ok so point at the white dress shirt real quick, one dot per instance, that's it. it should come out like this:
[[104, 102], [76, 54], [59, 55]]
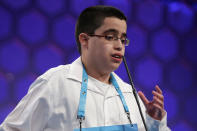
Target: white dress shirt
[[51, 104]]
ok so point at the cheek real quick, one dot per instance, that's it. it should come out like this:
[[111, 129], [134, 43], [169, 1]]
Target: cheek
[[102, 48], [106, 49]]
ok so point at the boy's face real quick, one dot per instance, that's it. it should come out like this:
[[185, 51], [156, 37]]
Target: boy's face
[[105, 54]]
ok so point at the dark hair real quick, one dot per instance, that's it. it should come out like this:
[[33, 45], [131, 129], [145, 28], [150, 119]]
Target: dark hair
[[92, 18]]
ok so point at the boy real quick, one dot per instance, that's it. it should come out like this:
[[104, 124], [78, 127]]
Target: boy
[[86, 95]]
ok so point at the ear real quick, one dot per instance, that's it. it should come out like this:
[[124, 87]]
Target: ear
[[83, 39]]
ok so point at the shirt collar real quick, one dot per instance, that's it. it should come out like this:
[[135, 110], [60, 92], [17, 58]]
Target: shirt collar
[[75, 70]]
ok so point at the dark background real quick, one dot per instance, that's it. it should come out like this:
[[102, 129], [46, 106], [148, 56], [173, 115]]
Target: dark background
[[36, 35]]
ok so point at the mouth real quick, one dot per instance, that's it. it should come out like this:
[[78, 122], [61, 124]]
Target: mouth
[[117, 57]]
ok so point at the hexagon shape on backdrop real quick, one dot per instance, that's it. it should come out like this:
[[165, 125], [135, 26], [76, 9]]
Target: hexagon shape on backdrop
[[180, 17], [138, 41], [51, 7], [150, 14], [165, 45], [180, 77], [32, 27], [14, 56], [148, 73], [63, 31]]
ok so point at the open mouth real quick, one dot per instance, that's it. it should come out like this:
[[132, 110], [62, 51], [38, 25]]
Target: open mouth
[[117, 57]]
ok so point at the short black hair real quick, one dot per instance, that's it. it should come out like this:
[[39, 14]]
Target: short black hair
[[92, 18]]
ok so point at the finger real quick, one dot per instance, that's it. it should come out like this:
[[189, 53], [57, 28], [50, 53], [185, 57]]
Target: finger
[[160, 96], [158, 107], [158, 102], [143, 98], [158, 89]]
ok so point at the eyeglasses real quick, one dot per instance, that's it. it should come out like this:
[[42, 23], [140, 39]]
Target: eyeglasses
[[124, 41]]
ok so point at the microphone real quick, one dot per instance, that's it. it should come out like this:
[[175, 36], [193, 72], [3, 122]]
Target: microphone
[[135, 93]]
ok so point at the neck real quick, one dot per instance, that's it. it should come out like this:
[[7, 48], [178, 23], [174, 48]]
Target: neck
[[101, 77], [96, 73]]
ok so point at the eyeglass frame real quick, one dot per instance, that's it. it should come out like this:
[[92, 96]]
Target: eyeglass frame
[[113, 38]]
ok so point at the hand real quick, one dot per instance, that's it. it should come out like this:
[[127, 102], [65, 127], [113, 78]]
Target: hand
[[154, 108]]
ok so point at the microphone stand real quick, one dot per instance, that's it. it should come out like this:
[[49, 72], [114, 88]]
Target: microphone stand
[[134, 93]]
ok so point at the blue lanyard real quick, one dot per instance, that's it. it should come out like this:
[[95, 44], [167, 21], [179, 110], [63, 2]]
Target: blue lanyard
[[114, 82], [83, 94]]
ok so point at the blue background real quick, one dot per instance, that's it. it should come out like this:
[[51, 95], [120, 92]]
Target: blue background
[[36, 35]]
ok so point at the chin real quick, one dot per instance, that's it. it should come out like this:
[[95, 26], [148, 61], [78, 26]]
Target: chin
[[115, 66]]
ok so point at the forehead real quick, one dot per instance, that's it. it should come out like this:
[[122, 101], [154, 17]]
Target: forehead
[[112, 24]]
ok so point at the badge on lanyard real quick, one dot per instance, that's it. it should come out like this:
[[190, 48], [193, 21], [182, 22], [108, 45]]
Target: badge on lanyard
[[82, 103]]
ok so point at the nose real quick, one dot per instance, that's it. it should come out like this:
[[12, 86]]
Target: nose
[[118, 45]]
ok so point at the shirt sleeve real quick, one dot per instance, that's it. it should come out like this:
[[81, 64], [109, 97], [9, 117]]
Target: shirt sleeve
[[32, 111], [156, 125]]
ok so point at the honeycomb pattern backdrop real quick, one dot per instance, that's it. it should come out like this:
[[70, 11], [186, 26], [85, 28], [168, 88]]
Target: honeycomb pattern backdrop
[[36, 35]]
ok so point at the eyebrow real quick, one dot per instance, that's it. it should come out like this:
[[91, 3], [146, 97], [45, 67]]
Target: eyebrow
[[114, 31]]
